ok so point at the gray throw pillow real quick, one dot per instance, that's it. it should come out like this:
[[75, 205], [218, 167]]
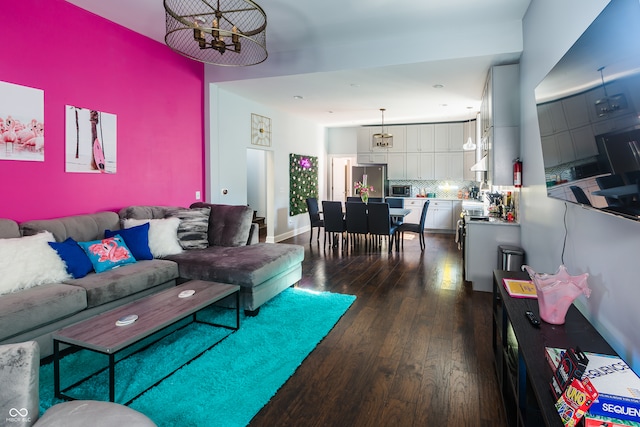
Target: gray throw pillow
[[194, 226]]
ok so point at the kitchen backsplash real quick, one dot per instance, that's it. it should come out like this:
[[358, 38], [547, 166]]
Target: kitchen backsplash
[[438, 187]]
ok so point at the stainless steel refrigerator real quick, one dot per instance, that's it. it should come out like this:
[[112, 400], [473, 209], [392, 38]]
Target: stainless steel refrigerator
[[374, 175], [623, 152]]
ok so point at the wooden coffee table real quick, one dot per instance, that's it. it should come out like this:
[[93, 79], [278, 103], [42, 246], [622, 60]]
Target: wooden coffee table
[[155, 312]]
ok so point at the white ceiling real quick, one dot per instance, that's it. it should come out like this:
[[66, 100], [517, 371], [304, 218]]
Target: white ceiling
[[349, 58]]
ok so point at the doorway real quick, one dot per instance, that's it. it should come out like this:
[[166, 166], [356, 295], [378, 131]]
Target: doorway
[[341, 178], [257, 194]]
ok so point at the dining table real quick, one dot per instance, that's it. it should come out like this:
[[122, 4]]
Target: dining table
[[398, 213]]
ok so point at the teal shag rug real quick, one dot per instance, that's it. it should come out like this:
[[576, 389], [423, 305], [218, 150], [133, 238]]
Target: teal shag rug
[[229, 383]]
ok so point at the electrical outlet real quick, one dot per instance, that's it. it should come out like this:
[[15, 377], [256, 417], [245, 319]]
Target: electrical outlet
[[197, 195]]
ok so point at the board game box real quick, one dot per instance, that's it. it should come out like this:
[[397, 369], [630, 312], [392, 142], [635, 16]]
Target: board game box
[[617, 384]]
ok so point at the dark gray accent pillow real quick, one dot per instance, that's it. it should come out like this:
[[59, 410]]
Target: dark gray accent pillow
[[229, 225], [194, 226]]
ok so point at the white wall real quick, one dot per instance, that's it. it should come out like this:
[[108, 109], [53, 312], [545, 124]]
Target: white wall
[[604, 246], [229, 136]]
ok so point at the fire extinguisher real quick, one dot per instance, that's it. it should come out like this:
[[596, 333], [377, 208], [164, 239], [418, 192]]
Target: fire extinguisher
[[517, 173]]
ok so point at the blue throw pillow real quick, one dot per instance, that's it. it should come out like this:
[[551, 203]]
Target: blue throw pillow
[[77, 262], [136, 238], [107, 254]]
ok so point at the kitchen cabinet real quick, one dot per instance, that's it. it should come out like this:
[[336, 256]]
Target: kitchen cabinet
[[576, 111], [439, 215], [364, 140], [568, 146], [449, 136], [468, 160], [448, 166], [420, 166], [500, 121], [504, 149], [551, 118], [420, 138], [399, 138], [415, 206], [372, 158], [396, 165]]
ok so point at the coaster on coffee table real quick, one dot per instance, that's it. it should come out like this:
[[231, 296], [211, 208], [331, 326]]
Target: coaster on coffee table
[[186, 294], [127, 320]]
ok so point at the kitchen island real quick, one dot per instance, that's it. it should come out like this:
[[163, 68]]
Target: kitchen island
[[482, 238]]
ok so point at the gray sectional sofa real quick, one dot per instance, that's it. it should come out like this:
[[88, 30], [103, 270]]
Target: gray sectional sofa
[[262, 270]]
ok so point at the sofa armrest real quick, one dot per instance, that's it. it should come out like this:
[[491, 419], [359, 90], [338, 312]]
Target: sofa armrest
[[19, 375]]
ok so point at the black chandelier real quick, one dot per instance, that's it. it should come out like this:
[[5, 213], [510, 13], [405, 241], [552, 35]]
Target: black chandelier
[[221, 32]]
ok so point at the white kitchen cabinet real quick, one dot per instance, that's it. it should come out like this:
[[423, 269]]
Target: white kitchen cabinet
[[500, 120], [420, 166], [396, 165], [372, 158], [415, 206], [449, 137], [551, 118], [576, 111], [440, 215], [399, 138], [584, 143], [468, 160], [420, 138], [448, 166], [364, 140]]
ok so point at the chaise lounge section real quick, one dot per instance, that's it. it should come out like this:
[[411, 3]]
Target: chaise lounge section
[[262, 270]]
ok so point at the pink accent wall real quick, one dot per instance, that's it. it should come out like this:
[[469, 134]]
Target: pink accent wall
[[83, 60]]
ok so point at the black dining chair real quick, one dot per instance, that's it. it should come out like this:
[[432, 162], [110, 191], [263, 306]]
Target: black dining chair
[[354, 199], [580, 196], [610, 181], [314, 217], [333, 221], [396, 202], [357, 222], [380, 223], [376, 200], [415, 228]]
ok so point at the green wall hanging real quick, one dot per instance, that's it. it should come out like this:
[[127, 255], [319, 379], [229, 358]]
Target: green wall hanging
[[303, 182]]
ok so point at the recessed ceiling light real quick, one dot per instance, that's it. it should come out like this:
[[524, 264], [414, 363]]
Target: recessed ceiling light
[[438, 86], [298, 97]]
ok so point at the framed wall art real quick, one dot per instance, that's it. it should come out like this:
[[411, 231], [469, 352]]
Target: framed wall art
[[21, 123]]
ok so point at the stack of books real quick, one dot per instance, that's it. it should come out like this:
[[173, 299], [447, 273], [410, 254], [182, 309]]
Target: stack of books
[[618, 402]]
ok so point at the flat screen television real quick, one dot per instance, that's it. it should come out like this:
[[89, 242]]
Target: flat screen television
[[589, 115]]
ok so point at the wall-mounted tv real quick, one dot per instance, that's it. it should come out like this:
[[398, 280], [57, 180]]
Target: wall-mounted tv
[[589, 115]]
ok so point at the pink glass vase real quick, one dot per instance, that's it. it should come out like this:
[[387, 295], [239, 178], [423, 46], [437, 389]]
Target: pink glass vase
[[556, 292]]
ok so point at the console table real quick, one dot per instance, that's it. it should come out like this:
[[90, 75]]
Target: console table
[[519, 350]]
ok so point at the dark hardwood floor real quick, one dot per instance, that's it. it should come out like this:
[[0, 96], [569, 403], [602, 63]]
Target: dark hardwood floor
[[414, 349]]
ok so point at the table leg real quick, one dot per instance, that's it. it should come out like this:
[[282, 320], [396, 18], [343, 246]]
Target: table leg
[[56, 368], [112, 378]]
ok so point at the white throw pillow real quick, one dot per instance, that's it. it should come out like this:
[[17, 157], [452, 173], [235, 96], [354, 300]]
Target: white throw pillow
[[29, 261], [163, 235]]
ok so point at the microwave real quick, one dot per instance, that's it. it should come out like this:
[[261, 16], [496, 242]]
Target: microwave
[[400, 191]]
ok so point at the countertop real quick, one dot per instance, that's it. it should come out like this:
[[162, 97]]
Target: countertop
[[491, 221]]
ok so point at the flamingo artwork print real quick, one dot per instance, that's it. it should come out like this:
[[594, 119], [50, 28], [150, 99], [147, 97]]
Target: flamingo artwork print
[[90, 140], [21, 123]]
